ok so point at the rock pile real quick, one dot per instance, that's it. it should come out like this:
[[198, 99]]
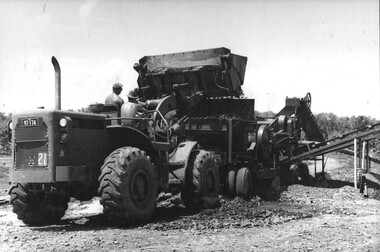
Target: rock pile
[[232, 213]]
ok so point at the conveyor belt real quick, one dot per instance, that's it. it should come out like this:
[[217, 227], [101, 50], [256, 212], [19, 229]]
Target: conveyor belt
[[339, 143]]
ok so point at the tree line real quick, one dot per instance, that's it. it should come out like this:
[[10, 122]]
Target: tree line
[[335, 126]]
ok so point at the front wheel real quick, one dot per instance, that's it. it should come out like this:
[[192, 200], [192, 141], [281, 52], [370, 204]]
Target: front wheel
[[37, 208], [128, 187]]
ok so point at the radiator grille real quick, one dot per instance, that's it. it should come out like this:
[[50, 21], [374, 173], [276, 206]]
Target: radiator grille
[[31, 149], [30, 133]]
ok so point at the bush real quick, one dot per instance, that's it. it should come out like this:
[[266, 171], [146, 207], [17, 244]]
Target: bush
[[4, 144], [334, 126]]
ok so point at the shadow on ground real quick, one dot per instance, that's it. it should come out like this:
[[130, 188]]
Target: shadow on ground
[[163, 214], [171, 213]]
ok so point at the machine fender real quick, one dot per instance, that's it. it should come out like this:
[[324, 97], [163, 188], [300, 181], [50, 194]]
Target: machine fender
[[180, 156], [128, 136]]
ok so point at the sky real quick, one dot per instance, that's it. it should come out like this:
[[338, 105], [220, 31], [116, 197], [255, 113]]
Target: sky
[[329, 48]]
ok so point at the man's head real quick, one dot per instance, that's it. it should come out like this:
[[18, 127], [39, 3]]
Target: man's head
[[117, 88], [133, 95]]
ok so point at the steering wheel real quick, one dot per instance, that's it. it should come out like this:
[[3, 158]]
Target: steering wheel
[[307, 99]]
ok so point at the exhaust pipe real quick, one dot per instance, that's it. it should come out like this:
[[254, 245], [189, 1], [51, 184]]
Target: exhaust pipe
[[57, 70]]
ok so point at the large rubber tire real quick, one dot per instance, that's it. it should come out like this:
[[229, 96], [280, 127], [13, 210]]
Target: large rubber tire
[[37, 208], [244, 183], [203, 190], [231, 183], [128, 187]]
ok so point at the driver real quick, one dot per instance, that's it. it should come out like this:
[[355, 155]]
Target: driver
[[133, 108]]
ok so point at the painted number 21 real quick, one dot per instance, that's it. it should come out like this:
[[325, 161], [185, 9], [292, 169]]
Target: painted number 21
[[42, 159]]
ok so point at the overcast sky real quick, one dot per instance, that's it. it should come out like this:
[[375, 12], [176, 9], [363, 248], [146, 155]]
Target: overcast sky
[[328, 47]]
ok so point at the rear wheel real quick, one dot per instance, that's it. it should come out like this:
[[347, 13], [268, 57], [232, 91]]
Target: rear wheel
[[231, 183], [37, 208], [203, 189], [244, 183], [128, 187]]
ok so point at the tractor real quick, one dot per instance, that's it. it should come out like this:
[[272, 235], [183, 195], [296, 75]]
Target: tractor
[[197, 134]]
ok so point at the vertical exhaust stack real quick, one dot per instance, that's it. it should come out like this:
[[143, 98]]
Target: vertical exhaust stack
[[57, 70]]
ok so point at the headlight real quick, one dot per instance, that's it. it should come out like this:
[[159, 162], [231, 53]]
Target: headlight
[[63, 122], [10, 125]]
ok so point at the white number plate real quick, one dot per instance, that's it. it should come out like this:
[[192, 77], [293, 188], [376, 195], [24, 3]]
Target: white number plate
[[42, 159], [30, 122]]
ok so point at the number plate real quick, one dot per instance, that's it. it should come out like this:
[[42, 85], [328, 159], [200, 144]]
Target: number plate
[[30, 122], [42, 159]]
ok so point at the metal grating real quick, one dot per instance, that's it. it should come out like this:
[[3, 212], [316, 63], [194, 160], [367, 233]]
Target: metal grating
[[23, 134]]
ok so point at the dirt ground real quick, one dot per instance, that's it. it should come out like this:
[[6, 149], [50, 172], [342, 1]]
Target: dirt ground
[[320, 216]]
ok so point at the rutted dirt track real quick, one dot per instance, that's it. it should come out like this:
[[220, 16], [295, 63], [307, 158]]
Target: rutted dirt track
[[294, 218]]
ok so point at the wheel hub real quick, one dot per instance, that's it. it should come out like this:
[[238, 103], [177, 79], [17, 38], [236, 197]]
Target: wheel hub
[[210, 182], [139, 187]]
